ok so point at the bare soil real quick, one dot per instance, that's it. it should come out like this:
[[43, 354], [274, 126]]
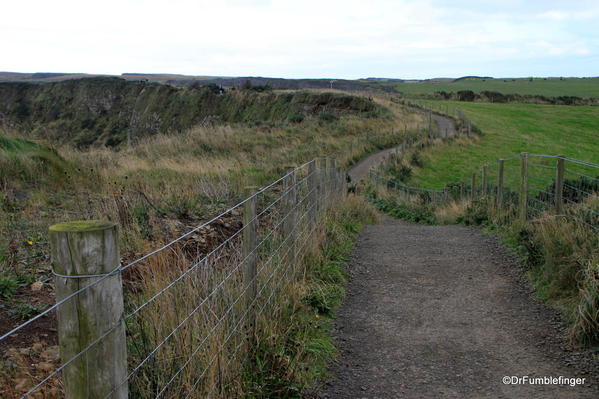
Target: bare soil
[[446, 312]]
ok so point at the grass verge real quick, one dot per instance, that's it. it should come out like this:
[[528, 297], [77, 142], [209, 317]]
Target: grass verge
[[293, 351]]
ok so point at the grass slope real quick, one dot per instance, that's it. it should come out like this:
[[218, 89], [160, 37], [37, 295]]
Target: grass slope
[[28, 163], [108, 111], [510, 129]]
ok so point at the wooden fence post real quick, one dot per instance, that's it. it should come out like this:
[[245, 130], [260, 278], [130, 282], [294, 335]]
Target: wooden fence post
[[485, 181], [524, 187], [290, 233], [249, 253], [501, 163], [461, 190], [473, 191], [83, 252], [312, 192], [559, 185]]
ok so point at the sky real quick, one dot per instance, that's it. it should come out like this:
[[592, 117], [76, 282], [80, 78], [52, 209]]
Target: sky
[[303, 38]]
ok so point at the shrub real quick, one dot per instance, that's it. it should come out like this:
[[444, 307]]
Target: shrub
[[25, 311], [8, 286], [476, 213], [585, 329]]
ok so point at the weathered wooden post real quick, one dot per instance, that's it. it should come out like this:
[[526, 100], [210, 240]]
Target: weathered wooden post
[[82, 253], [289, 230], [485, 181], [473, 192], [248, 252], [524, 187], [461, 190], [312, 192], [559, 185], [501, 163]]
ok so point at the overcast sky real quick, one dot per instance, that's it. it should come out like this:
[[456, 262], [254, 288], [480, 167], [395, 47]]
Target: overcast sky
[[303, 38]]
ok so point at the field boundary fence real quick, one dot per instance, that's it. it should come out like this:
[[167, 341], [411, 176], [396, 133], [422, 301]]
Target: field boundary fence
[[524, 187], [183, 320]]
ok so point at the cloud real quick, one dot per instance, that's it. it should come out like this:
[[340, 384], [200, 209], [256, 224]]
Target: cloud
[[311, 38]]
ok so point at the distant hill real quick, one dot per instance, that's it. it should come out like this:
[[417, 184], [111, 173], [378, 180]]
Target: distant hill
[[185, 80]]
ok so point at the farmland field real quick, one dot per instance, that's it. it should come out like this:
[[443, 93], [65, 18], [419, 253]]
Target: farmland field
[[549, 87], [509, 129]]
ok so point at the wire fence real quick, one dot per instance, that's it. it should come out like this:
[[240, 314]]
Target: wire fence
[[194, 309], [524, 186]]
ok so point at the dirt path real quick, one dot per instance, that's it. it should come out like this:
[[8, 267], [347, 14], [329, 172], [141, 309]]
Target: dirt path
[[443, 312], [446, 128]]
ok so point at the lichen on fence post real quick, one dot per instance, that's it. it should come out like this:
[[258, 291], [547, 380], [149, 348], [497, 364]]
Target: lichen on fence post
[[82, 253]]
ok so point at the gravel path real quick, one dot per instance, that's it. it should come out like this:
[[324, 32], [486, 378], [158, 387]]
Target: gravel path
[[445, 312], [445, 126]]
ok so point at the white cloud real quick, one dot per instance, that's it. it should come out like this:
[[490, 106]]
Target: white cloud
[[348, 38]]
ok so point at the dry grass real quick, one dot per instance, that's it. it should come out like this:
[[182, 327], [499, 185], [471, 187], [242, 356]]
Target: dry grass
[[450, 212]]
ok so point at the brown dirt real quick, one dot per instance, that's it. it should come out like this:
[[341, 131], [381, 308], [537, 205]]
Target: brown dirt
[[446, 312]]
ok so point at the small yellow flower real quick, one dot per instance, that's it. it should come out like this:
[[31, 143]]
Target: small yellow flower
[[29, 242], [317, 316]]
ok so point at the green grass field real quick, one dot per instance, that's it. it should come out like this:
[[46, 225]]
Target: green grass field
[[548, 87], [509, 129]]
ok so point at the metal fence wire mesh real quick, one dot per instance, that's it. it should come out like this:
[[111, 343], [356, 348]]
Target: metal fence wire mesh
[[194, 308]]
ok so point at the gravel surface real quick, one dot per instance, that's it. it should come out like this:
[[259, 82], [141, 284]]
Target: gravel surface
[[446, 312], [445, 129]]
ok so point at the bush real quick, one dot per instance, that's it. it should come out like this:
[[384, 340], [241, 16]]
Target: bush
[[8, 286], [25, 311], [476, 213]]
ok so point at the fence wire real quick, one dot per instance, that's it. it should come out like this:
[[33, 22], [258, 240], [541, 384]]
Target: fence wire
[[195, 306], [531, 185]]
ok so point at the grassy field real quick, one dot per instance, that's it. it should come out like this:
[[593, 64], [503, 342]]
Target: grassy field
[[509, 129], [549, 87]]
